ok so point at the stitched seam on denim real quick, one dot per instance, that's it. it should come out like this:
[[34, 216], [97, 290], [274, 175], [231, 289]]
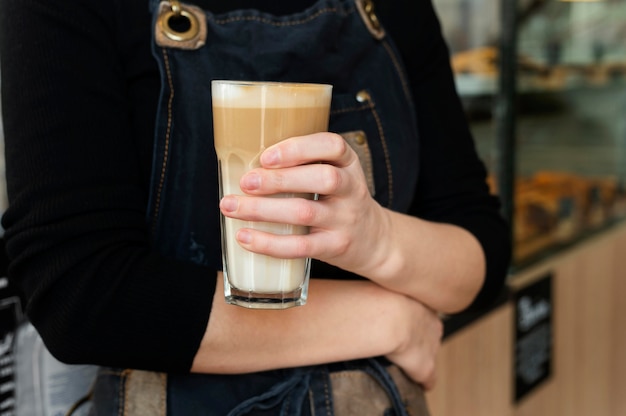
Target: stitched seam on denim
[[168, 130], [286, 404], [399, 70], [282, 24], [385, 151], [327, 397]]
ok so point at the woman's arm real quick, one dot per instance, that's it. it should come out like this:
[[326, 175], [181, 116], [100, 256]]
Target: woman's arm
[[79, 90], [342, 320], [452, 186], [438, 264], [443, 265], [451, 250]]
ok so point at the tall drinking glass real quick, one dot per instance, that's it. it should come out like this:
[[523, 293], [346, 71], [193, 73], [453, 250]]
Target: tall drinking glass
[[248, 117]]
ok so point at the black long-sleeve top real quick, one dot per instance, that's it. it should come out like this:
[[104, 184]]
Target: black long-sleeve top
[[79, 92]]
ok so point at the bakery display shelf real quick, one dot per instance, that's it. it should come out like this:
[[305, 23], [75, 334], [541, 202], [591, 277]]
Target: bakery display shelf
[[470, 86], [543, 84], [533, 252], [570, 167], [554, 210], [482, 79], [567, 78]]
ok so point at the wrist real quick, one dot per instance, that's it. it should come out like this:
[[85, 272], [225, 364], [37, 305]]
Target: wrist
[[387, 259], [381, 259]]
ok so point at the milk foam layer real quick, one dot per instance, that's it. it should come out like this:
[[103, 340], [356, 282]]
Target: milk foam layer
[[244, 94]]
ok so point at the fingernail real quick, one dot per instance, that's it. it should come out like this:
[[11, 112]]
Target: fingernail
[[244, 236], [229, 204], [270, 157], [251, 181]]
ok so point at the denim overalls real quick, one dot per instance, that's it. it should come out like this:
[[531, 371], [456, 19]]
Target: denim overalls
[[339, 42]]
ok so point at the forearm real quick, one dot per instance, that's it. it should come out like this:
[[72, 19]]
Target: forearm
[[342, 320], [437, 263], [441, 265]]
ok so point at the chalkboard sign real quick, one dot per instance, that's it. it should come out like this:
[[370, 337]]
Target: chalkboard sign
[[533, 336]]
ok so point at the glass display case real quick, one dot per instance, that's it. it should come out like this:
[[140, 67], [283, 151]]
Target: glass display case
[[544, 87]]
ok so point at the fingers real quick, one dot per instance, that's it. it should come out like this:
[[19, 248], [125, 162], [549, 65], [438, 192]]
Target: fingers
[[427, 375], [292, 246], [322, 164], [296, 215], [295, 209], [421, 368], [322, 179], [330, 148], [281, 192], [417, 357], [430, 382]]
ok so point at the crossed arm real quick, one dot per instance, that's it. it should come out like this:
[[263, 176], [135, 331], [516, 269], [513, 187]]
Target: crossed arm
[[415, 267]]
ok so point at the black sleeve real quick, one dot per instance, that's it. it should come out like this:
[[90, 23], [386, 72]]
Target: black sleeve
[[452, 184], [75, 159]]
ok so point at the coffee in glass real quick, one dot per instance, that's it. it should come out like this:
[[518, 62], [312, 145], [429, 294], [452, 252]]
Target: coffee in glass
[[249, 117]]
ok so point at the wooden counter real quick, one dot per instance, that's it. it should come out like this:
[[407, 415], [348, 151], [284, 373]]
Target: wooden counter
[[476, 363]]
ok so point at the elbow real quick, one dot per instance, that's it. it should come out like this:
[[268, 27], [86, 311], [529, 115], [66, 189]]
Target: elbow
[[465, 295]]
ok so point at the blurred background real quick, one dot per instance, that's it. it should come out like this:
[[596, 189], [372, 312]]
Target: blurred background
[[543, 83]]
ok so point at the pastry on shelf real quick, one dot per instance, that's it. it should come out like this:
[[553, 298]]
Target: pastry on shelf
[[479, 61], [536, 213], [584, 191], [535, 219], [604, 72], [603, 196], [483, 62], [552, 208]]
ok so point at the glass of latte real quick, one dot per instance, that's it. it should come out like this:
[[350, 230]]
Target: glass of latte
[[249, 117]]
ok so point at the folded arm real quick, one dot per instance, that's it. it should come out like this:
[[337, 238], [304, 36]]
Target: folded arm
[[342, 320]]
